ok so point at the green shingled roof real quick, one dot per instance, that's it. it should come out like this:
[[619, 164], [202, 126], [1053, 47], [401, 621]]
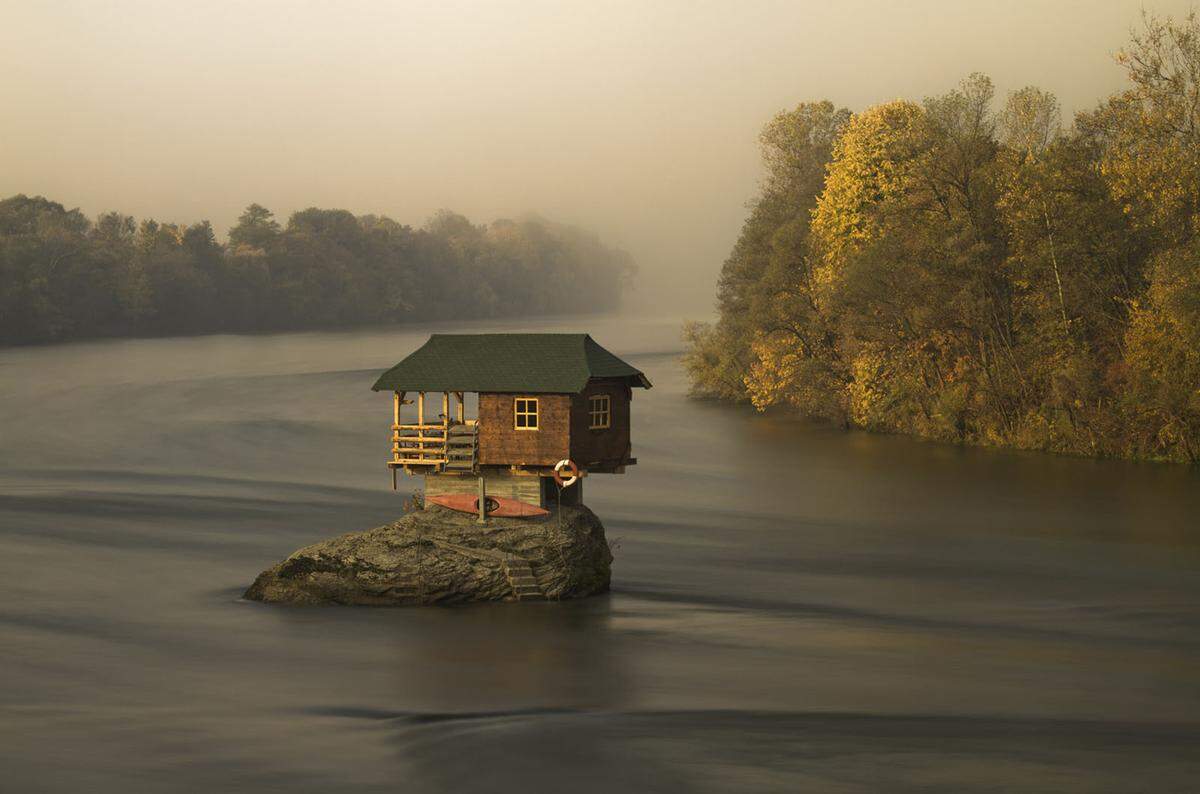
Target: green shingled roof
[[536, 363]]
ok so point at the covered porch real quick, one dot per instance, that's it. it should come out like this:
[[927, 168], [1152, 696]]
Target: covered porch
[[446, 442]]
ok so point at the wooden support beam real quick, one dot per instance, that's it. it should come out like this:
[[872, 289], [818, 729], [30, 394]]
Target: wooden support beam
[[445, 424], [482, 501], [399, 400], [461, 406], [420, 407]]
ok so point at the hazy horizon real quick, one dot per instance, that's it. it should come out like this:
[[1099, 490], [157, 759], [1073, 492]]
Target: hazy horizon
[[638, 123]]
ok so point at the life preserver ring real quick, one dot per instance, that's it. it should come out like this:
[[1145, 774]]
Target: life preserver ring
[[572, 470]]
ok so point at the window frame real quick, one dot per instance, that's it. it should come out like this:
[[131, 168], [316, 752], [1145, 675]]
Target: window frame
[[518, 413], [605, 412]]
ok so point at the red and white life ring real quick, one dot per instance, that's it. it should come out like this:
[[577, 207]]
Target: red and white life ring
[[572, 470]]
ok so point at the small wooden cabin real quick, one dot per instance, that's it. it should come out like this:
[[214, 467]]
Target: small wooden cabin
[[539, 399]]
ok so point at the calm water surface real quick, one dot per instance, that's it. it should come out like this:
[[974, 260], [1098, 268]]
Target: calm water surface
[[793, 608]]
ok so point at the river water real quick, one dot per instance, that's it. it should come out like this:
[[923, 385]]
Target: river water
[[794, 608]]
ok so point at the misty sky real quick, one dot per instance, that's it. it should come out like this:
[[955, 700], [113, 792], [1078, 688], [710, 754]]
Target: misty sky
[[638, 120]]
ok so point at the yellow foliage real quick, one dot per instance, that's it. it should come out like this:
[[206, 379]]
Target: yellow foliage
[[1153, 177], [772, 378], [871, 164], [867, 389], [1163, 353], [784, 372], [1151, 161], [1036, 288]]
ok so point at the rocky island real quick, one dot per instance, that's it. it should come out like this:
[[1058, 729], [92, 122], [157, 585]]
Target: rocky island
[[440, 556]]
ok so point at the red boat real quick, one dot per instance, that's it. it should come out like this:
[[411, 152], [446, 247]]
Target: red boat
[[498, 506]]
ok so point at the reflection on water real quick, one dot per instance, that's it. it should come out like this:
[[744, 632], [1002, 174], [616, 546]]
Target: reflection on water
[[794, 608]]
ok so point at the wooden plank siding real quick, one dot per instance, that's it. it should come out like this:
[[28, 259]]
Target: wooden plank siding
[[502, 444], [607, 446], [526, 488]]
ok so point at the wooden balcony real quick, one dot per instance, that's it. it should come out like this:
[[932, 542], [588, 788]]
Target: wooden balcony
[[426, 448], [449, 444]]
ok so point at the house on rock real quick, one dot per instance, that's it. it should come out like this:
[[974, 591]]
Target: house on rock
[[539, 399]]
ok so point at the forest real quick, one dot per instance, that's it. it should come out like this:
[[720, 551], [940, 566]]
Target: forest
[[63, 276], [973, 270]]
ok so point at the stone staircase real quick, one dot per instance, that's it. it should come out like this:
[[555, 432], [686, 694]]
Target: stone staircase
[[520, 577], [517, 570]]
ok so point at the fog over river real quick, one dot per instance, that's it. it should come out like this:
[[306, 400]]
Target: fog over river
[[793, 607]]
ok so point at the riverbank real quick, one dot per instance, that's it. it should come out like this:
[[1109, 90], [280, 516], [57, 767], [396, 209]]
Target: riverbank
[[967, 442]]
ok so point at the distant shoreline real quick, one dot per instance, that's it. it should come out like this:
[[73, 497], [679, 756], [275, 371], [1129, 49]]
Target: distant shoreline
[[382, 326], [65, 277]]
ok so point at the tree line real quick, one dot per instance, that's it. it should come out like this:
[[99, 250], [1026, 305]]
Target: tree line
[[962, 273], [63, 276]]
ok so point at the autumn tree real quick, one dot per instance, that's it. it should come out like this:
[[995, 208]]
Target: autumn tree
[[978, 274], [765, 293]]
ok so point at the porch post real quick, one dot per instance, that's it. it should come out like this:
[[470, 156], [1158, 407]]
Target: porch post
[[420, 426], [445, 428], [396, 403]]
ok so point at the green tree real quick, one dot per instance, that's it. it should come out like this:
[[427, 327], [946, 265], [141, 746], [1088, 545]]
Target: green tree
[[256, 229]]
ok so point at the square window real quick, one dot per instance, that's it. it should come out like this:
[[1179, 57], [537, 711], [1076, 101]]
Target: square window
[[599, 411], [525, 413]]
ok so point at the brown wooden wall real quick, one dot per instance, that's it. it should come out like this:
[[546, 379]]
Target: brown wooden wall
[[608, 445], [500, 443], [524, 488]]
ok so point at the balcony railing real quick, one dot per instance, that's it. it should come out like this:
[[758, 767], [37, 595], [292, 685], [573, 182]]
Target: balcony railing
[[437, 447]]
